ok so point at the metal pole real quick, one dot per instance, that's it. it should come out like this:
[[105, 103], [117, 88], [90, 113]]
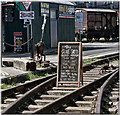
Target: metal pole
[[0, 44], [32, 41], [80, 35], [28, 38]]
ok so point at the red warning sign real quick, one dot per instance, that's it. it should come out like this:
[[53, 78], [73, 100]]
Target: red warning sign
[[26, 5]]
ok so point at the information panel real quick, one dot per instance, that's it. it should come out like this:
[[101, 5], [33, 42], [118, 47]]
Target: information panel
[[79, 19], [45, 9], [69, 59], [66, 11], [18, 41]]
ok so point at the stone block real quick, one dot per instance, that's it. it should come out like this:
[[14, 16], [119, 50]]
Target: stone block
[[8, 63], [26, 65]]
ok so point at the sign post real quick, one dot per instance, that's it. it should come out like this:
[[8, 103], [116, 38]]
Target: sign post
[[28, 16], [69, 63], [79, 19], [32, 41]]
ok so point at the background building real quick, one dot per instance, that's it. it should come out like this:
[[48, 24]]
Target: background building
[[95, 4], [60, 24]]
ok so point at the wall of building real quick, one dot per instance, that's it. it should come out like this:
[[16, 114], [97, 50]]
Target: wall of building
[[66, 30], [65, 27], [37, 26], [15, 26]]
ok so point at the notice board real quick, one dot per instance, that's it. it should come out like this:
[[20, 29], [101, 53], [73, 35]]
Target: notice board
[[18, 40], [69, 62]]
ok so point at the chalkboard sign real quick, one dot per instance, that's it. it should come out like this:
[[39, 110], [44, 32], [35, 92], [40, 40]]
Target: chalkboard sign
[[69, 62]]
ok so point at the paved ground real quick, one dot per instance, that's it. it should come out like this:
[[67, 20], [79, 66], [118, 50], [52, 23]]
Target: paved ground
[[90, 50]]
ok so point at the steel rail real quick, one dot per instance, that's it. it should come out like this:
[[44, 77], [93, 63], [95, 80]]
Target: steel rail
[[25, 86], [57, 103], [12, 108], [99, 61], [71, 96], [9, 91], [102, 89]]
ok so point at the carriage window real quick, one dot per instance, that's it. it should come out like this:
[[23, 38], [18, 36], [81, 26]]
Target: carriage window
[[98, 17], [91, 16]]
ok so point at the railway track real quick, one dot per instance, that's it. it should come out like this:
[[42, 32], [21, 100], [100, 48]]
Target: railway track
[[108, 97], [15, 92], [44, 94]]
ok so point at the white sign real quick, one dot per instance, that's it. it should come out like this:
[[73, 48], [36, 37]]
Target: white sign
[[26, 14], [79, 19], [27, 22], [26, 5]]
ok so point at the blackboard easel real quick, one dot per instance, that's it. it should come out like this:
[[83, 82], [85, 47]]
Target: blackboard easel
[[69, 70]]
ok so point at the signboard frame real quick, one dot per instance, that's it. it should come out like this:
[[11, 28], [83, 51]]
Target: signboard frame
[[80, 68]]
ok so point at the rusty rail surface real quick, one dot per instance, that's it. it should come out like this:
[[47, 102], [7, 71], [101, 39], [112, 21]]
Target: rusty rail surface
[[11, 108], [25, 86], [71, 96], [40, 88], [101, 61], [102, 89]]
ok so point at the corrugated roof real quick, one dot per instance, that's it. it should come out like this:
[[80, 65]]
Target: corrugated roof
[[98, 10], [58, 2]]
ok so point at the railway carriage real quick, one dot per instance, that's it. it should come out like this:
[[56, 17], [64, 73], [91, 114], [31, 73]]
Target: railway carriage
[[98, 23]]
